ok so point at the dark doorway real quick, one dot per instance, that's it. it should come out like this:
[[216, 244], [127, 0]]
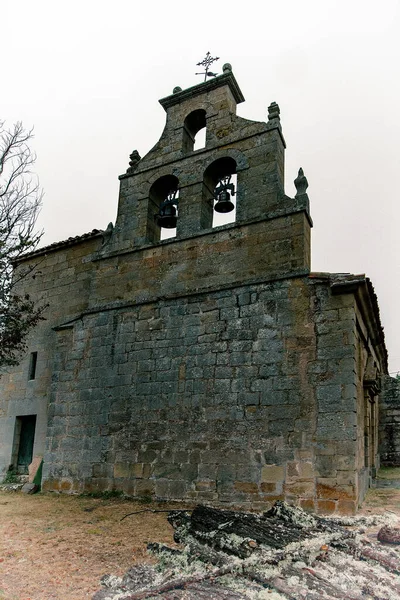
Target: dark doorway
[[26, 426]]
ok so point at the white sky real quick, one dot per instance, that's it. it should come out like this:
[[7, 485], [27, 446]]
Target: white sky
[[88, 75]]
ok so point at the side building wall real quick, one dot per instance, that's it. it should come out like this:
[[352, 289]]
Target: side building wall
[[389, 434], [62, 280], [334, 376]]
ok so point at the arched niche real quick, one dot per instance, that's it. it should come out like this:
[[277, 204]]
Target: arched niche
[[193, 124], [218, 169], [158, 192]]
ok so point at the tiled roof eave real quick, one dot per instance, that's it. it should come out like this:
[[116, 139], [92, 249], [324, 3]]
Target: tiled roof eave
[[71, 241]]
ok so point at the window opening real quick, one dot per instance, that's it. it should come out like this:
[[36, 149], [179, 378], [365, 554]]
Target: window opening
[[32, 365], [167, 233], [228, 217], [200, 139], [163, 208], [24, 438], [220, 171], [194, 131]]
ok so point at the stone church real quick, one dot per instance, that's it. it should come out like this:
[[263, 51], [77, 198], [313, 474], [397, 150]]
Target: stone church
[[211, 366]]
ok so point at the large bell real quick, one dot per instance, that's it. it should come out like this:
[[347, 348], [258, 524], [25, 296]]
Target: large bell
[[167, 217], [224, 203], [222, 194]]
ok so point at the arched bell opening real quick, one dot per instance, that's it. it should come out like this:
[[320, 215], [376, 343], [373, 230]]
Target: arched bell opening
[[162, 213], [194, 131], [219, 185]]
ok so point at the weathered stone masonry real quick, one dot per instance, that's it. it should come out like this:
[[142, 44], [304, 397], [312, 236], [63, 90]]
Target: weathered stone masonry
[[212, 366], [389, 422], [211, 397]]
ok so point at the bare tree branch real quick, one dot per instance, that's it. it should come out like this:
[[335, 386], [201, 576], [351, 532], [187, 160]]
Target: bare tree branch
[[20, 202]]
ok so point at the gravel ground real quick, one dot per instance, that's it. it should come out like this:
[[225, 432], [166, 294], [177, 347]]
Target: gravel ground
[[58, 546]]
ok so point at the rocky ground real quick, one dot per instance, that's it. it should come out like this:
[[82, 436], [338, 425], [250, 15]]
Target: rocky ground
[[59, 547], [282, 554]]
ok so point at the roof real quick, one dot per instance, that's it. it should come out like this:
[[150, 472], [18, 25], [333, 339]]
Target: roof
[[63, 244]]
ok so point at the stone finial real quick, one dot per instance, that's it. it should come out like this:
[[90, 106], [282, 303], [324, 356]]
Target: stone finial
[[135, 158], [273, 111], [107, 234], [176, 89], [227, 68], [301, 183]]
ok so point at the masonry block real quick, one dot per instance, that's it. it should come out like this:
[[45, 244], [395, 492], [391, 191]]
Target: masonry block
[[272, 473]]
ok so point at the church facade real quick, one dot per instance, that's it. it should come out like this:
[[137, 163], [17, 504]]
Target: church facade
[[212, 366]]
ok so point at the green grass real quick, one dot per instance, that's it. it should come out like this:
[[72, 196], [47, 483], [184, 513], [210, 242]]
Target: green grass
[[11, 477], [388, 473]]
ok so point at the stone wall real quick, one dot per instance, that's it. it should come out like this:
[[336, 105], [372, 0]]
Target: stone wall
[[389, 417], [335, 380], [214, 397], [230, 255], [189, 398], [62, 280], [243, 394]]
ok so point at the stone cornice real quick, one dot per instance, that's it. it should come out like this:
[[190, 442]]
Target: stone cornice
[[203, 88]]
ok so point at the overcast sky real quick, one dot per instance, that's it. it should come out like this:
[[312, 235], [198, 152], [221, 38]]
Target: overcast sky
[[88, 75]]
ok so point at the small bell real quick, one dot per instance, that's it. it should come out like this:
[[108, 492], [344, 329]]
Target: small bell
[[167, 217], [222, 195]]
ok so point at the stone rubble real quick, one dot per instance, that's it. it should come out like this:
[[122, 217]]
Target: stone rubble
[[229, 554]]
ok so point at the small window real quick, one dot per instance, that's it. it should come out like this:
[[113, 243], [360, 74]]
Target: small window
[[32, 366], [194, 131]]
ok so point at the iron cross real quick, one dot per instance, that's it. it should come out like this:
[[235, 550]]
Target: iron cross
[[206, 62]]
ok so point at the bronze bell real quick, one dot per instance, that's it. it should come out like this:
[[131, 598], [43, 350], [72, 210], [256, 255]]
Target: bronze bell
[[222, 195], [167, 217], [224, 203]]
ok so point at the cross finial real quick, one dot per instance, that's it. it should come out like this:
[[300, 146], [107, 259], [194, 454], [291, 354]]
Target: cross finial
[[206, 62]]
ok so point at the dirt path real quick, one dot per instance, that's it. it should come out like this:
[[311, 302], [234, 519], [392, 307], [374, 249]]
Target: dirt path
[[58, 547]]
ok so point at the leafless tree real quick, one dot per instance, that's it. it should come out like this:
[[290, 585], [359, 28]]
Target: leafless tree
[[20, 202]]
